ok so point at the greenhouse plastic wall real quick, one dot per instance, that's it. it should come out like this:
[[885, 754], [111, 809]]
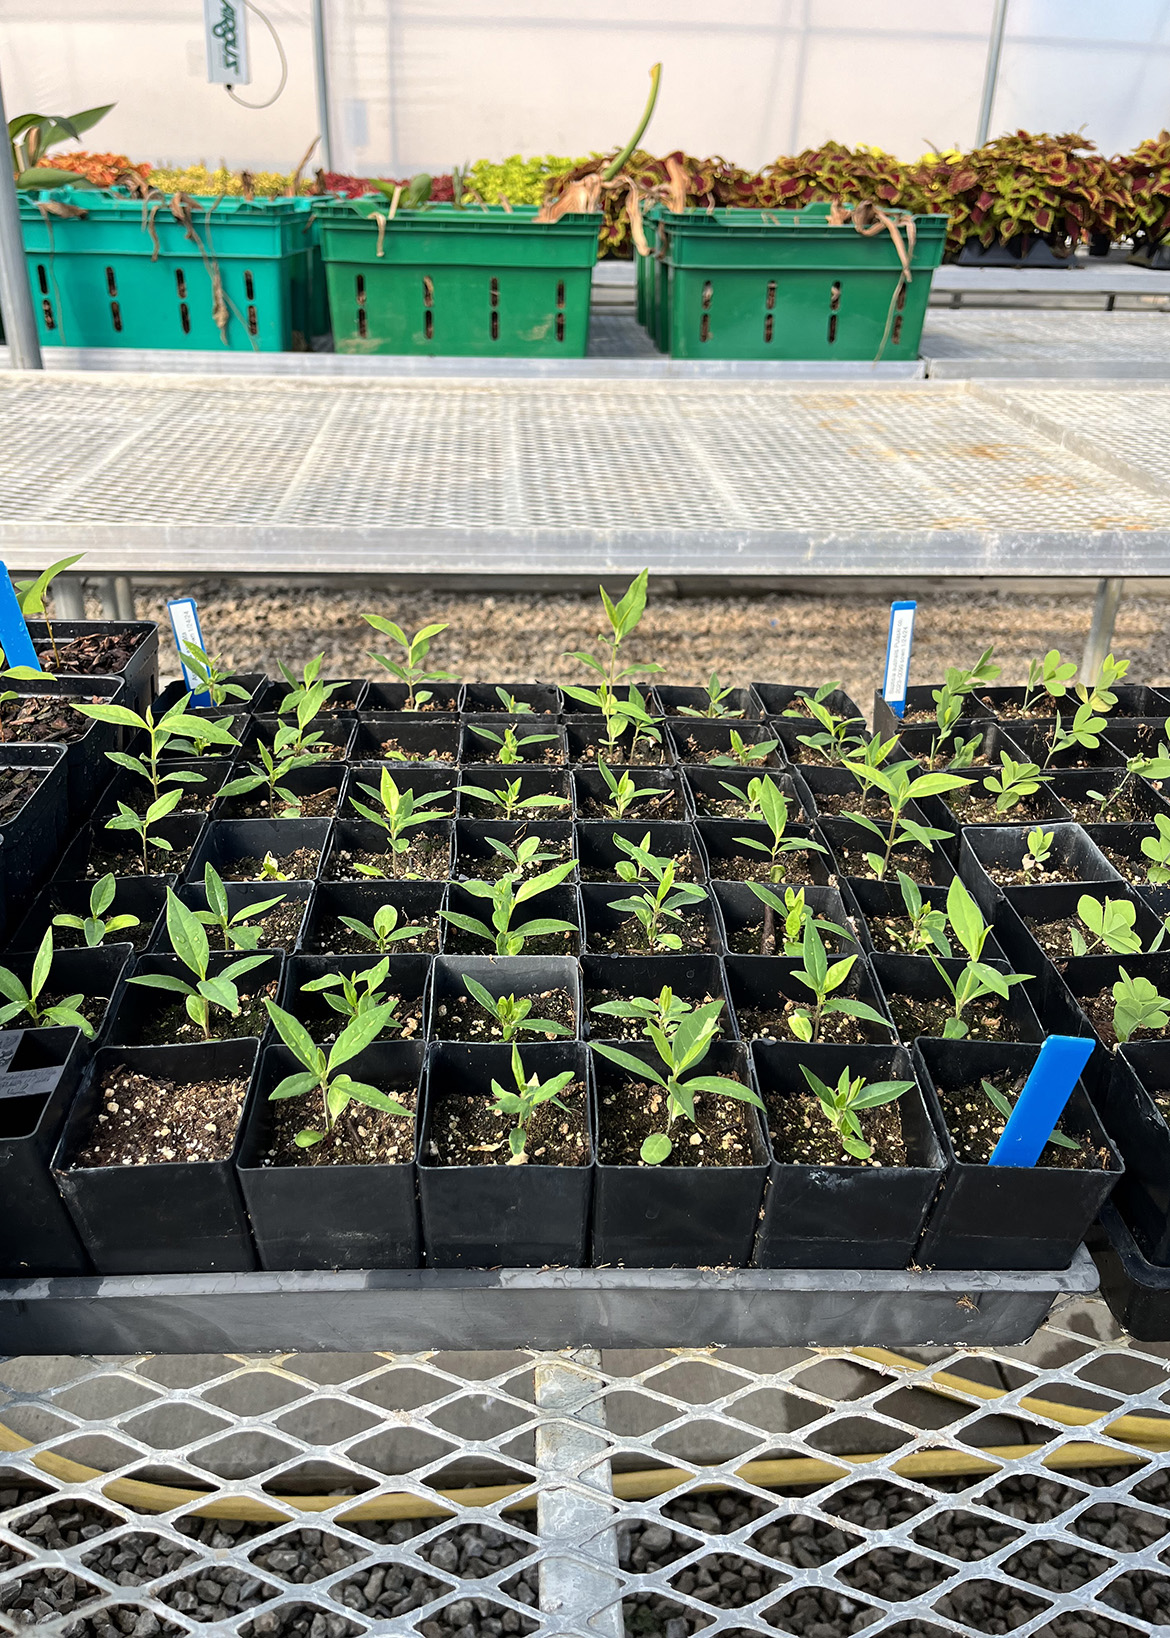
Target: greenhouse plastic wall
[[423, 84]]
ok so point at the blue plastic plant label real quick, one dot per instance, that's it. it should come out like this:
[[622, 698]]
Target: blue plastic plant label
[[14, 637], [1042, 1099], [899, 644], [188, 634]]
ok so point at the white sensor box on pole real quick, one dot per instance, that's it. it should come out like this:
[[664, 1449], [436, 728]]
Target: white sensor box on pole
[[225, 24]]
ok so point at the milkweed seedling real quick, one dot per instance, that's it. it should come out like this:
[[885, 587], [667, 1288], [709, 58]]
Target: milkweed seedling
[[840, 1104], [743, 753], [623, 792], [95, 928], [1003, 1105], [233, 929], [529, 1094], [817, 975], [397, 814], [716, 694], [31, 595], [505, 898], [657, 908], [513, 706], [211, 676], [319, 1073], [792, 914], [189, 942], [623, 618], [509, 745], [773, 807], [928, 925], [509, 800], [681, 1050], [838, 737], [511, 1015], [900, 787], [274, 765], [665, 1011], [977, 978], [357, 993], [411, 668], [384, 933], [307, 686], [26, 1002], [1137, 1005]]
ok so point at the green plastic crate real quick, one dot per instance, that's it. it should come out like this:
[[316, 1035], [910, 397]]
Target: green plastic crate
[[466, 283], [98, 282], [752, 284]]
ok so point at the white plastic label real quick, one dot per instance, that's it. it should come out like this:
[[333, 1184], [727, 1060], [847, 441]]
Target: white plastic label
[[898, 647], [188, 634], [225, 24]]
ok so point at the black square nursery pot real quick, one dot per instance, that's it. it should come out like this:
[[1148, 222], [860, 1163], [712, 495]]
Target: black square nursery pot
[[920, 711], [870, 904], [281, 928], [549, 750], [695, 743], [1011, 1217], [496, 1215], [592, 799], [254, 682], [39, 1072], [1121, 846], [558, 904], [98, 974], [319, 789], [169, 1217], [711, 799], [141, 896], [991, 857], [847, 1215], [851, 843], [360, 841], [731, 859], [34, 829], [405, 741], [347, 696], [140, 1015], [543, 699], [759, 987], [295, 844], [599, 854], [699, 928], [382, 698], [1139, 804], [554, 782], [337, 742], [87, 770], [477, 860], [450, 1003], [105, 648], [905, 980], [740, 704], [672, 1216], [1133, 1108], [417, 903], [97, 851], [587, 744], [1085, 977], [780, 698], [697, 979], [743, 917], [407, 979], [319, 1215]]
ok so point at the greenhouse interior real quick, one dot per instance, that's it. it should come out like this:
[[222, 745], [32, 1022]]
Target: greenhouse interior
[[585, 819]]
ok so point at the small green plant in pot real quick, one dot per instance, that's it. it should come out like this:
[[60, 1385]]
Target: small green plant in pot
[[660, 908], [680, 1051], [384, 932], [510, 801], [97, 927], [618, 714], [397, 814], [207, 993], [824, 979], [977, 978], [232, 925], [900, 786], [716, 694], [773, 806], [520, 1102], [505, 898], [837, 738], [1138, 1005], [665, 1010], [513, 1016], [410, 668], [840, 1105], [24, 1001], [213, 678], [353, 995], [791, 915], [511, 746], [624, 792], [319, 1072]]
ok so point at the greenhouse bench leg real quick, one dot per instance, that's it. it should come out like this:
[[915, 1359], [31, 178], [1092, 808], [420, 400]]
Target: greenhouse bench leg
[[1101, 630]]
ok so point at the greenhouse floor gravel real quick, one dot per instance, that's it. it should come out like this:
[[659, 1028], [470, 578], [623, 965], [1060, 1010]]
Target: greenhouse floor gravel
[[1066, 1551]]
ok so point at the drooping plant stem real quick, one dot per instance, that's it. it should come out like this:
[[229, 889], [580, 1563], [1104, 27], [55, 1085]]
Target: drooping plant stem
[[614, 167]]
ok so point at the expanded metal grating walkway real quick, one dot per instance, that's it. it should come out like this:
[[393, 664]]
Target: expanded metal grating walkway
[[193, 474], [1075, 1549]]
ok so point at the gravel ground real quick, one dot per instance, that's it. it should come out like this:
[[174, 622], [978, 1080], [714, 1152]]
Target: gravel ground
[[995, 1604], [523, 637]]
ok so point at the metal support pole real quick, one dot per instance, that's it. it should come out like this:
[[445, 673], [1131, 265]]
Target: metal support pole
[[991, 73], [106, 590], [579, 1586], [124, 597], [68, 597], [20, 325], [321, 74], [1101, 630]]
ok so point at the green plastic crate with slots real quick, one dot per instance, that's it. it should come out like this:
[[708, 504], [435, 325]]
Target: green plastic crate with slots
[[121, 276], [473, 283], [755, 285]]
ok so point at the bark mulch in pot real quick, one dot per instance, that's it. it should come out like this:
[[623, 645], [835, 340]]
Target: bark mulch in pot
[[97, 654], [466, 1131], [719, 1136], [38, 717], [802, 1136], [16, 786], [360, 1136], [143, 1120], [976, 1126], [463, 1019]]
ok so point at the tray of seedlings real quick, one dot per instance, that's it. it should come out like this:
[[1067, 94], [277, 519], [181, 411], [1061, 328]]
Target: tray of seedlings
[[607, 1013]]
